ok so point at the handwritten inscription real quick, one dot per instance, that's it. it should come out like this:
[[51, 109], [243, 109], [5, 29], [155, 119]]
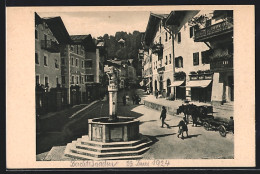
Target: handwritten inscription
[[143, 163]]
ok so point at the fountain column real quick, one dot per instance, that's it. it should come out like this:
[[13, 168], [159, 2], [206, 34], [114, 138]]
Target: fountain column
[[112, 89]]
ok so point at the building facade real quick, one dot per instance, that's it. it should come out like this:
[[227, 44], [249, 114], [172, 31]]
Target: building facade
[[159, 41], [50, 36], [203, 51]]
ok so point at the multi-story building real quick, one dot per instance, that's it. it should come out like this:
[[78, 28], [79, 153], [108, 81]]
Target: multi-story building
[[159, 40], [218, 34], [203, 52], [50, 35], [77, 64]]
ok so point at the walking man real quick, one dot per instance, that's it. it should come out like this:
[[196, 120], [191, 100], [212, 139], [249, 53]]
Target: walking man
[[163, 117]]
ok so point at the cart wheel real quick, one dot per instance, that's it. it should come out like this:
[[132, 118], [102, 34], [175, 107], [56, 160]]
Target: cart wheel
[[222, 130], [206, 126]]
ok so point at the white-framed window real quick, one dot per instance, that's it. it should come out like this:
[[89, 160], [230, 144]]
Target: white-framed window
[[57, 80], [46, 80], [77, 62], [72, 79], [82, 79], [37, 79], [72, 61], [56, 63], [77, 79], [82, 63], [45, 60], [37, 60]]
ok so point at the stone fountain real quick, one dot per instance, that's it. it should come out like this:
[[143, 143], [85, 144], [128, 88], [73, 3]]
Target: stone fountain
[[110, 138]]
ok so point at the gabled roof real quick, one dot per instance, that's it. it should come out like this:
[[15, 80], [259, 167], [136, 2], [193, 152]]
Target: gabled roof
[[85, 40], [152, 26], [58, 29]]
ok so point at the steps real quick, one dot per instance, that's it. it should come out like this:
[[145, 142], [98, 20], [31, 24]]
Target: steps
[[84, 149]]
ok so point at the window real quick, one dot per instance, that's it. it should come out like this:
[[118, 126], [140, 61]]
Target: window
[[166, 60], [195, 59], [36, 34], [37, 59], [166, 37], [88, 64], [170, 35], [82, 79], [77, 47], [77, 62], [179, 62], [153, 65], [82, 64], [179, 37], [156, 65], [57, 80], [208, 22], [160, 40], [191, 32], [37, 79], [90, 78], [45, 59], [56, 64], [77, 79], [63, 79], [72, 79], [72, 61], [170, 58], [71, 48], [46, 81], [205, 57], [62, 61]]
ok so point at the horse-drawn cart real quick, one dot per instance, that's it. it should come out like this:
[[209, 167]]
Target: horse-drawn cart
[[200, 115]]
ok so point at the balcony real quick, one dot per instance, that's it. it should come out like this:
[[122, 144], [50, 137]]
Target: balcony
[[218, 29], [161, 70], [221, 63], [50, 46], [157, 49]]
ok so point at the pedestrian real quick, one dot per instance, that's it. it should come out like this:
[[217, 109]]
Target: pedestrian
[[124, 99], [163, 117], [182, 128], [156, 93]]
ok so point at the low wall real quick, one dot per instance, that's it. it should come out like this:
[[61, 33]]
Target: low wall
[[158, 107]]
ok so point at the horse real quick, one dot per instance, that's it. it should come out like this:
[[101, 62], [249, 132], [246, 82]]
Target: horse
[[187, 110]]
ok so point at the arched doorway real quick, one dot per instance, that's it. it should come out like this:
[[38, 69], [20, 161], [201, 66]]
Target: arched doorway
[[168, 87]]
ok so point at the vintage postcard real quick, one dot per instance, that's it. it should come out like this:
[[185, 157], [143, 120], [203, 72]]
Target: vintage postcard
[[130, 87]]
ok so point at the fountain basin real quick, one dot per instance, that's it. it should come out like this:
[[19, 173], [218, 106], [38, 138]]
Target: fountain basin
[[103, 130]]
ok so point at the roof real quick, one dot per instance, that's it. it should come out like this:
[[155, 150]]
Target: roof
[[85, 40], [38, 19], [58, 29], [152, 26], [101, 44], [175, 17], [121, 40]]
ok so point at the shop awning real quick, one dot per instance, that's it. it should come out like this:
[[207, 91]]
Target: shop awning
[[198, 83], [177, 83]]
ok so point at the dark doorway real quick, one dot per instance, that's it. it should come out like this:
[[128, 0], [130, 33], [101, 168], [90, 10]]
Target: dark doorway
[[180, 93], [161, 84]]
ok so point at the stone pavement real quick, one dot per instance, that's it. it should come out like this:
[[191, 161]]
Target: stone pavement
[[222, 112]]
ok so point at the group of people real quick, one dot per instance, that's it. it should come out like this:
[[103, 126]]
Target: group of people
[[182, 124], [135, 98]]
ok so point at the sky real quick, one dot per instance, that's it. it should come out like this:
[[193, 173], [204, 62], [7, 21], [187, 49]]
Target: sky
[[100, 23]]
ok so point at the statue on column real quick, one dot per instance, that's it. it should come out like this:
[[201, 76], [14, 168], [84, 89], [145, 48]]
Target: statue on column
[[112, 89]]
